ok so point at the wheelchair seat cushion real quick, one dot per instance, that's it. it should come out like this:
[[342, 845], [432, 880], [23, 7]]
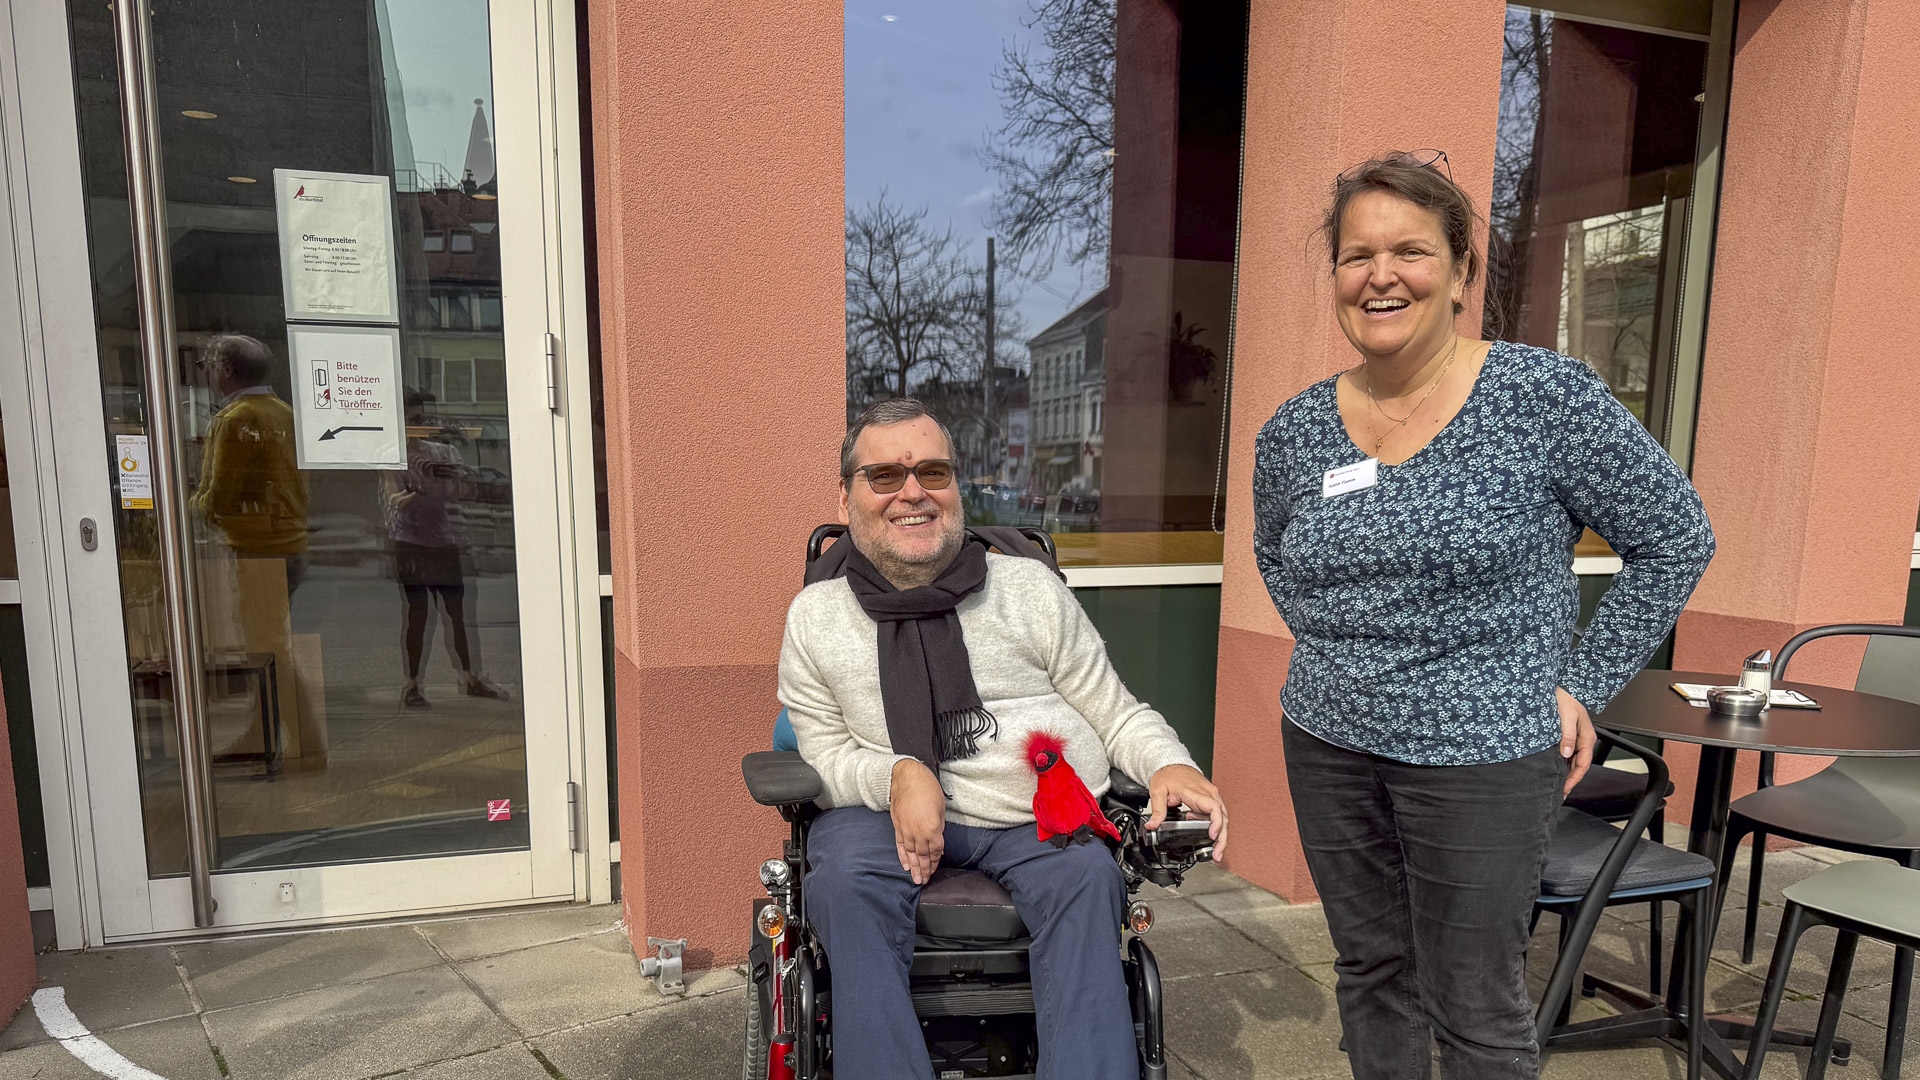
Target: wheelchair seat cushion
[[967, 905]]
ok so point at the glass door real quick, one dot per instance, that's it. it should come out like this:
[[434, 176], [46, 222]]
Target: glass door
[[359, 370]]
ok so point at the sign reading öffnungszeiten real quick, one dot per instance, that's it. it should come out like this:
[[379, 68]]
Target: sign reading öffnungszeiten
[[336, 247]]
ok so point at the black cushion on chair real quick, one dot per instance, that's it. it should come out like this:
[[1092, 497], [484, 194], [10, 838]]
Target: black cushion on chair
[[969, 905], [1580, 844], [780, 778], [1610, 794]]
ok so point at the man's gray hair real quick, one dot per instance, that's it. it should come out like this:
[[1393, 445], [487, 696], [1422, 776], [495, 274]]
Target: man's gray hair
[[247, 359], [884, 414]]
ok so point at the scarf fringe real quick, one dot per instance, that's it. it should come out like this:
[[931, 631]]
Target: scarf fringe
[[957, 732]]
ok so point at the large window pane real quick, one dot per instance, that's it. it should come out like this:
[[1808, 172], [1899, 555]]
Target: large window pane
[[1592, 179], [1047, 194]]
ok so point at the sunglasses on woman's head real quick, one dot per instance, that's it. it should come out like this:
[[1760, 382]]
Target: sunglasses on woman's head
[[1424, 159], [890, 476]]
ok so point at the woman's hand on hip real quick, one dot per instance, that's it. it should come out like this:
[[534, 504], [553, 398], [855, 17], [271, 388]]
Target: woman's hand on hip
[[1576, 737]]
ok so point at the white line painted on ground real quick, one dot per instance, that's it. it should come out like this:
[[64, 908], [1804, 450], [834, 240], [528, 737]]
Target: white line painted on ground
[[50, 1005]]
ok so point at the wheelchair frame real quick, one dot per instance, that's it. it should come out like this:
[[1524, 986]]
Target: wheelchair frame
[[980, 987]]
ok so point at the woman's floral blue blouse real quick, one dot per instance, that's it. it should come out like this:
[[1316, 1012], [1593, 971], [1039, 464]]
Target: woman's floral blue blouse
[[1434, 612]]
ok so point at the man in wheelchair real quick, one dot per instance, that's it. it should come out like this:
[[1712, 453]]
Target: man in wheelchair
[[921, 672]]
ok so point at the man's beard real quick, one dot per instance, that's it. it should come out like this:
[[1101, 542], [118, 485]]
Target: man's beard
[[920, 570]]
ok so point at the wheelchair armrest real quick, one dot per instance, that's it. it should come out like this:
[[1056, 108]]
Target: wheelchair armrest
[[1125, 790], [780, 778]]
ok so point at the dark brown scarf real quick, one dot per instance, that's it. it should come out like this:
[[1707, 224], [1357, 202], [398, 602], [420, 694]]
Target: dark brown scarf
[[933, 709]]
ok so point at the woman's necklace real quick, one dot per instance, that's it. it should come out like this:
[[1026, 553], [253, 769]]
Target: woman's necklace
[[1402, 421]]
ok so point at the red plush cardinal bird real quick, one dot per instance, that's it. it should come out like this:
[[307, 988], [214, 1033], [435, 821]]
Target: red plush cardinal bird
[[1063, 809]]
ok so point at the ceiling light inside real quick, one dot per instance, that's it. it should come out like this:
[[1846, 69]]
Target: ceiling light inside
[[243, 179], [199, 114]]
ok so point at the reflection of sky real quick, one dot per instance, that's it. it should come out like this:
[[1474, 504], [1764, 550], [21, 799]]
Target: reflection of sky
[[442, 50], [920, 103]]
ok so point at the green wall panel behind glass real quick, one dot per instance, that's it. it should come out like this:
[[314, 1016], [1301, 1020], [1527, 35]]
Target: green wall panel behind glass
[[1165, 643]]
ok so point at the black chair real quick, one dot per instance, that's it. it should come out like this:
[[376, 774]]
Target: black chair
[[1613, 795], [1858, 899], [1869, 806], [969, 978], [1593, 865]]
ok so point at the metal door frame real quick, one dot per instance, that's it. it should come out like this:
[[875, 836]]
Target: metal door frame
[[49, 372]]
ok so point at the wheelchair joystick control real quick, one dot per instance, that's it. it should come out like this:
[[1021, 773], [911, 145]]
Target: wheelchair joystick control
[[666, 966]]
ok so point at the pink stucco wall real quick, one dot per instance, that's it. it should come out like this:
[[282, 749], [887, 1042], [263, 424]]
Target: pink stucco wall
[[718, 148], [1805, 452], [17, 974], [1328, 85]]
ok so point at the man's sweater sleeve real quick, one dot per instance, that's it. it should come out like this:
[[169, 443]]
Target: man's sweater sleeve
[[1138, 740], [854, 774]]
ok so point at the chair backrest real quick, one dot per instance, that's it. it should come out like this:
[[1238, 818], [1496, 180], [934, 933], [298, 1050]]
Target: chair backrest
[[1891, 668]]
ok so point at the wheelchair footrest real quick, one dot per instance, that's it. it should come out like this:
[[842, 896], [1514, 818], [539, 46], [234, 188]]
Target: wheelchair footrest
[[1006, 999]]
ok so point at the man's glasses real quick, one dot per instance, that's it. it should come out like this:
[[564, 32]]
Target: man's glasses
[[889, 477], [1423, 159]]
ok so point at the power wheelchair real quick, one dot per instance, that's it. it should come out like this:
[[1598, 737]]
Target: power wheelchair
[[970, 978]]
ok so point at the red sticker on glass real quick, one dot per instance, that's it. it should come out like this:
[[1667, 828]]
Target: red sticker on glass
[[499, 809]]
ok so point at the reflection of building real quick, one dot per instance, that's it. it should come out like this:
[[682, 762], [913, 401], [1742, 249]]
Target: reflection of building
[[1067, 360]]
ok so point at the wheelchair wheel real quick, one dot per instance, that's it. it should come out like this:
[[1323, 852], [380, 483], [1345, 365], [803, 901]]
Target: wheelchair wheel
[[755, 1065]]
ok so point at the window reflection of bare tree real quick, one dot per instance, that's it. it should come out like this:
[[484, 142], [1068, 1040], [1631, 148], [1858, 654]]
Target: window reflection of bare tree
[[1516, 169], [1053, 154]]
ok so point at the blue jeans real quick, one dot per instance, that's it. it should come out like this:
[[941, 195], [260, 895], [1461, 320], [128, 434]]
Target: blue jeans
[[862, 904], [1428, 874]]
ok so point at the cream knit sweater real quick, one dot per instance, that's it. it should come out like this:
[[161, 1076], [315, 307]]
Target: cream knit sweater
[[1037, 662]]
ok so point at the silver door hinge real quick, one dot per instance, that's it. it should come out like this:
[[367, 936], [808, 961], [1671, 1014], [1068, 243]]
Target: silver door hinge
[[574, 807], [553, 371]]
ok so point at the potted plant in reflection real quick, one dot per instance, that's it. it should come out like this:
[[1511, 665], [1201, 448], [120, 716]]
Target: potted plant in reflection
[[1189, 363]]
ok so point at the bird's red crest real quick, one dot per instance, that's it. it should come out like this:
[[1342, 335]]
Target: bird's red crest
[[1040, 743]]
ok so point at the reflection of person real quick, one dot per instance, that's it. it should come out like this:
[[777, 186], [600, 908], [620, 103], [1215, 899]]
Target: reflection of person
[[1414, 520], [929, 662], [426, 552], [250, 483]]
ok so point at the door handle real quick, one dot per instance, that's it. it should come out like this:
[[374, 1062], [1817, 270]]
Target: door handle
[[89, 534]]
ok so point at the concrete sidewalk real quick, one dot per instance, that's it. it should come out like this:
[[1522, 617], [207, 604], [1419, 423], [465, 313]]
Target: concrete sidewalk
[[557, 993]]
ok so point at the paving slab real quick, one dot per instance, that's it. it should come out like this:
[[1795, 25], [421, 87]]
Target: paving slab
[[110, 988], [514, 1062], [1211, 878], [1274, 1025], [369, 1028], [464, 939], [24, 1030], [1188, 941], [1296, 933], [176, 1049], [697, 1039], [566, 983], [240, 970], [44, 1061]]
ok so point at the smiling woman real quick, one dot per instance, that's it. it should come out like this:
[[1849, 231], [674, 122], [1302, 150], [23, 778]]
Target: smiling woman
[[1414, 522]]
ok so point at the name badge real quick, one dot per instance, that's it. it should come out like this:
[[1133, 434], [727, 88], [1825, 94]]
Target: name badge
[[1361, 474]]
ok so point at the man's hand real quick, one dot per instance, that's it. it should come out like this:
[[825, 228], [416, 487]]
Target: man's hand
[[1182, 785], [919, 811], [1576, 737]]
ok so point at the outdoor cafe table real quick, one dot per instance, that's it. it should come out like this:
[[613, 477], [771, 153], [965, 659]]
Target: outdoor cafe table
[[1847, 724]]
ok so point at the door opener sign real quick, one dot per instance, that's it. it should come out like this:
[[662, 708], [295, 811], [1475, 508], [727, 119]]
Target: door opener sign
[[336, 247], [347, 407]]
